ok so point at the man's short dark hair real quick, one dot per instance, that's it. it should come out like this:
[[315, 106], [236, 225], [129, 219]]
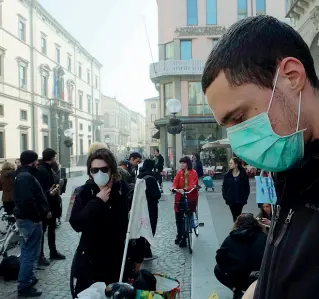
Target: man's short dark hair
[[135, 156], [251, 49], [48, 154], [157, 150]]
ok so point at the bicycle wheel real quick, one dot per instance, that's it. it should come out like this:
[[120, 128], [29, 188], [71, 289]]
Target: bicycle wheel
[[189, 231], [196, 223]]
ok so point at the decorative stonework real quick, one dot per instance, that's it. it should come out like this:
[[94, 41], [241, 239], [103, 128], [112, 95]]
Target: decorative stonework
[[202, 31], [45, 70], [314, 16]]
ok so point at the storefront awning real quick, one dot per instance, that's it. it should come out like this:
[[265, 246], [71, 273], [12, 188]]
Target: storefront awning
[[156, 135]]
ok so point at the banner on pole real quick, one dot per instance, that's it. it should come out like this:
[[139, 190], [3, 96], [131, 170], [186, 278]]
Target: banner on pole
[[265, 190]]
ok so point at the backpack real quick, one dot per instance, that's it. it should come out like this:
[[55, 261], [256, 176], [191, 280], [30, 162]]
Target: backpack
[[9, 268]]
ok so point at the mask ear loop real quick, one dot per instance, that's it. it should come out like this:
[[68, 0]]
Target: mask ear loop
[[299, 111], [273, 91]]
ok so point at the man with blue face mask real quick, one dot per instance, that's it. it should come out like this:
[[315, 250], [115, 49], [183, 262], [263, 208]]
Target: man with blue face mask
[[261, 84]]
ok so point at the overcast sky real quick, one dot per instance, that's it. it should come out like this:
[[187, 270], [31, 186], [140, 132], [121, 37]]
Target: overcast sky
[[114, 33]]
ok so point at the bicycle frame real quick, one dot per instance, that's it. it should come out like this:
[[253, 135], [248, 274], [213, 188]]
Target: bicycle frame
[[11, 237]]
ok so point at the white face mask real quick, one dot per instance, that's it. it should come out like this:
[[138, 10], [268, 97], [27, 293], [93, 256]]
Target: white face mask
[[100, 178]]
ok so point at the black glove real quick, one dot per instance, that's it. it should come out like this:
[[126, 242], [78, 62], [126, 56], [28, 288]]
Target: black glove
[[120, 291]]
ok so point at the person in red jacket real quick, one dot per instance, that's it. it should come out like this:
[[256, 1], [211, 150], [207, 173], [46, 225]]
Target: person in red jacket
[[185, 179]]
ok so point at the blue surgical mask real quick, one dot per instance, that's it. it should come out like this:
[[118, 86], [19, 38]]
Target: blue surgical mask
[[255, 142]]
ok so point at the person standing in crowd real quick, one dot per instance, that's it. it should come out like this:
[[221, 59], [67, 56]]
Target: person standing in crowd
[[236, 187], [198, 165], [186, 178], [6, 181], [31, 208], [267, 97], [159, 166], [240, 254], [100, 213], [153, 194], [132, 167], [17, 163], [265, 214], [48, 183]]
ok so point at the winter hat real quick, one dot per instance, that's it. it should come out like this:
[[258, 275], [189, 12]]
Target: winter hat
[[28, 157], [148, 165]]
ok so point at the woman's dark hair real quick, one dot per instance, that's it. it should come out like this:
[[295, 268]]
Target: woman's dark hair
[[238, 162], [188, 161], [107, 156], [247, 220], [148, 165], [263, 214]]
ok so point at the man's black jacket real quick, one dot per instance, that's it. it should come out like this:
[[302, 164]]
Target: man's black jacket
[[159, 163], [29, 199], [290, 267], [46, 179]]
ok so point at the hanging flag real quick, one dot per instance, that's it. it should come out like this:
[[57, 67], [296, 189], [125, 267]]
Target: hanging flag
[[140, 225], [54, 84]]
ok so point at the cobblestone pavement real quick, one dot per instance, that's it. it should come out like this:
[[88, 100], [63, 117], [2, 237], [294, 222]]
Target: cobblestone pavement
[[54, 279]]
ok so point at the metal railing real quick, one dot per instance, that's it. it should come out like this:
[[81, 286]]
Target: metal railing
[[176, 67]]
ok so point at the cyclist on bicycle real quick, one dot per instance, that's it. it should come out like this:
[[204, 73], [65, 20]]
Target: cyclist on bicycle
[[185, 179]]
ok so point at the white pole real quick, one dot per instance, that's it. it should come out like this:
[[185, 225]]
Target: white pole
[[127, 237]]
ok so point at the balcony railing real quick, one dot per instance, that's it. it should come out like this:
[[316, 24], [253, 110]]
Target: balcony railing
[[98, 119], [295, 8], [176, 68], [63, 105]]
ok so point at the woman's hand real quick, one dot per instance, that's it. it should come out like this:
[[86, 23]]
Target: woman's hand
[[104, 194], [266, 221]]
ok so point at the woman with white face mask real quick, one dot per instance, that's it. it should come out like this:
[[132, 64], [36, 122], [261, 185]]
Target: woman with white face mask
[[100, 213]]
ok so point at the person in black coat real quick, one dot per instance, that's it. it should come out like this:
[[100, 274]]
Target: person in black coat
[[100, 213], [236, 188], [240, 254], [47, 180], [153, 194], [159, 166]]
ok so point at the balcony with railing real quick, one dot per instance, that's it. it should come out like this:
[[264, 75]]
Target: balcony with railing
[[62, 105], [98, 120], [166, 68], [296, 8]]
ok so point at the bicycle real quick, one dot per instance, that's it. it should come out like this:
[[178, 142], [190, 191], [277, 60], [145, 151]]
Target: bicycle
[[190, 221], [11, 237]]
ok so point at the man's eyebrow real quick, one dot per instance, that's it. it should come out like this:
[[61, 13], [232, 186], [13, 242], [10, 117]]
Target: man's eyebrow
[[228, 116]]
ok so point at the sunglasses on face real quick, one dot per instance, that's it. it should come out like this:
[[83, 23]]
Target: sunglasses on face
[[95, 170]]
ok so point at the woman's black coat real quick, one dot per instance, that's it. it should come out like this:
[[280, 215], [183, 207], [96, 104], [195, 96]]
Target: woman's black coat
[[103, 226], [228, 188]]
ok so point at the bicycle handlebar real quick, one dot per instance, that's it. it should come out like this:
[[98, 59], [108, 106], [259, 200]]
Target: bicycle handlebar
[[186, 192]]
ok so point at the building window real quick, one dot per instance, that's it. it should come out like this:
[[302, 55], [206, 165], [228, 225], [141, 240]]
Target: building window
[[81, 127], [169, 51], [2, 142], [153, 106], [22, 76], [89, 77], [80, 100], [45, 142], [168, 93], [80, 71], [23, 115], [89, 104], [186, 49], [260, 7], [1, 110], [96, 82], [45, 119], [89, 142], [21, 32], [241, 9], [81, 146], [24, 142], [192, 18], [69, 63], [44, 45], [44, 85], [89, 128], [97, 107], [211, 12], [215, 42], [57, 55], [153, 117], [70, 124], [196, 100]]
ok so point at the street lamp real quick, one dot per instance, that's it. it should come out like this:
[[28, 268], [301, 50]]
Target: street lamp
[[173, 106], [68, 142]]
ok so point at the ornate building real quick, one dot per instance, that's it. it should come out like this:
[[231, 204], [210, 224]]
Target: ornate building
[[48, 83]]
